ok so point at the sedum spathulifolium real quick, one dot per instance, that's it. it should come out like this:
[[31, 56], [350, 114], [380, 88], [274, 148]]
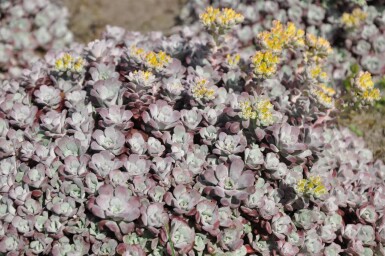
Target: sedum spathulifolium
[[145, 144]]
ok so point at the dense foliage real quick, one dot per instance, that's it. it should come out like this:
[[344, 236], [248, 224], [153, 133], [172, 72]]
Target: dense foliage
[[199, 143], [355, 29], [28, 29]]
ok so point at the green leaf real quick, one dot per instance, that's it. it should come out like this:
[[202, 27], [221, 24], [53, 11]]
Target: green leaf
[[355, 68], [356, 130]]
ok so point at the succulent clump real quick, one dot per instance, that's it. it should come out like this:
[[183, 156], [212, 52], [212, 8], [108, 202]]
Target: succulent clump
[[170, 145], [28, 31]]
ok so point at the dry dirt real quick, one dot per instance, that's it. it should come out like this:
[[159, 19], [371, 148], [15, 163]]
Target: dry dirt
[[371, 126], [88, 18]]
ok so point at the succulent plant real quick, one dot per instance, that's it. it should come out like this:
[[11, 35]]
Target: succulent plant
[[161, 116], [183, 199], [115, 204], [110, 139], [182, 236], [216, 140], [230, 183]]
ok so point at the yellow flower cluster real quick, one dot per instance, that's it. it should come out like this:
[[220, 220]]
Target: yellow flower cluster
[[365, 86], [265, 63], [324, 95], [262, 110], [280, 36], [157, 60], [354, 19], [327, 90], [265, 112], [317, 73], [318, 48], [221, 20], [312, 186], [294, 35], [137, 53], [364, 81], [274, 42], [371, 96], [201, 91], [233, 60], [247, 110], [151, 59], [143, 78], [69, 63]]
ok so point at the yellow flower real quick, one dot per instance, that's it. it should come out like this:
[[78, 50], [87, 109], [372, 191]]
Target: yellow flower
[[233, 60], [265, 111], [364, 81], [365, 88], [260, 109], [354, 19], [318, 48], [151, 59], [137, 53], [209, 17], [229, 17], [265, 63], [220, 19], [311, 186], [323, 97], [59, 65], [280, 37], [371, 95], [201, 91], [69, 63], [142, 78], [317, 73], [293, 35], [273, 40], [247, 110], [327, 90], [301, 186], [158, 60], [78, 65]]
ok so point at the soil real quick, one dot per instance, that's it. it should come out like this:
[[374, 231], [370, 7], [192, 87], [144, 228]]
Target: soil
[[88, 18], [371, 126]]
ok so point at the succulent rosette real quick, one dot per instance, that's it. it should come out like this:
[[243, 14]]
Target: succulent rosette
[[161, 116], [115, 203], [232, 184]]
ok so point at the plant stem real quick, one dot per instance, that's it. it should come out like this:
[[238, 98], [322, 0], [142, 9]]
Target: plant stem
[[169, 240]]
